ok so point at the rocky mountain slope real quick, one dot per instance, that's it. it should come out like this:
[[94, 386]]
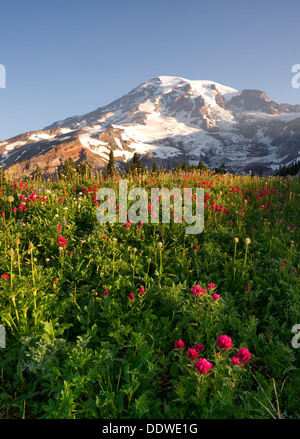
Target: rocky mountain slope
[[168, 120]]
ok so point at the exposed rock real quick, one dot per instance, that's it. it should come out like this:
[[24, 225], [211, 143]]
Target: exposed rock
[[168, 120]]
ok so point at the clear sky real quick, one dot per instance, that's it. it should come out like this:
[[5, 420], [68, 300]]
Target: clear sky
[[69, 57]]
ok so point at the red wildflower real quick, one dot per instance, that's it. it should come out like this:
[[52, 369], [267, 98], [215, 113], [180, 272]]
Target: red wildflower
[[224, 342], [199, 348], [235, 360], [203, 366], [179, 344], [244, 355], [192, 354], [62, 241], [197, 290]]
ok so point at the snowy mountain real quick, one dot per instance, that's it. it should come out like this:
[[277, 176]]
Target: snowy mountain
[[168, 120]]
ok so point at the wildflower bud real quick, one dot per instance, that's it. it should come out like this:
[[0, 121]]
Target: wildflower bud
[[236, 240], [11, 199], [247, 241], [11, 252]]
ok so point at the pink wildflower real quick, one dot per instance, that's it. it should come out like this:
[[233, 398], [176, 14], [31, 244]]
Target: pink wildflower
[[244, 355], [203, 366], [197, 290], [179, 344], [62, 241], [224, 342], [192, 354], [199, 348]]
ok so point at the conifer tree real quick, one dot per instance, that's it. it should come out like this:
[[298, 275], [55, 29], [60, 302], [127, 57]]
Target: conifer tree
[[201, 166], [155, 168], [137, 166], [110, 171], [128, 169]]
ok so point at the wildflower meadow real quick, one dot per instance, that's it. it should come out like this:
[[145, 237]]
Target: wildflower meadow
[[142, 320]]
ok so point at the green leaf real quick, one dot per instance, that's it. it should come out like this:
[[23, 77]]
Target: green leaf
[[174, 370]]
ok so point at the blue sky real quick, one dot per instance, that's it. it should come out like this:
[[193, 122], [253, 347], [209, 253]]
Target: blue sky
[[64, 58]]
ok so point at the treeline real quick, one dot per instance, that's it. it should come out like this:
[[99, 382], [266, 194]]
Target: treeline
[[133, 167], [69, 169], [293, 169], [136, 167]]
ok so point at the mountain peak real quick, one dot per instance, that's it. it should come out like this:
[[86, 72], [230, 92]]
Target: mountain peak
[[172, 81], [168, 119]]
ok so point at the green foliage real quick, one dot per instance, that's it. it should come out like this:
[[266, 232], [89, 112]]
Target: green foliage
[[110, 170], [155, 168], [221, 169], [201, 166], [84, 169], [73, 352], [293, 169], [136, 165], [69, 168]]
